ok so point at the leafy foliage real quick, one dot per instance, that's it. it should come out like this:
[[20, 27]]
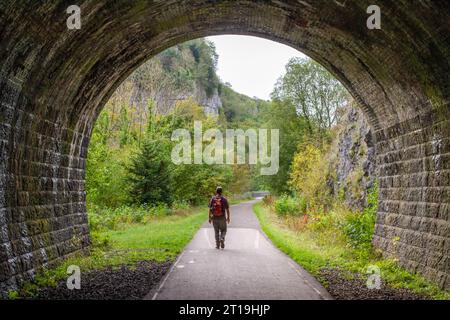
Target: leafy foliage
[[359, 227], [309, 175], [323, 245], [282, 116], [314, 92], [129, 154], [237, 108], [105, 169], [286, 205], [150, 177]]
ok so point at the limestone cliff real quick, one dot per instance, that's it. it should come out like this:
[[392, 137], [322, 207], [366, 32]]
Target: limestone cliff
[[185, 71], [353, 158]]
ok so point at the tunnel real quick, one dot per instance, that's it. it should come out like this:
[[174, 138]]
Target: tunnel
[[54, 81]]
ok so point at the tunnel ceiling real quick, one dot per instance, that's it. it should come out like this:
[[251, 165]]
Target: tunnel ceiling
[[388, 71]]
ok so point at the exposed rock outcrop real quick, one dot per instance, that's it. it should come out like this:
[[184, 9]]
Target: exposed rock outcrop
[[353, 158], [211, 104], [185, 71]]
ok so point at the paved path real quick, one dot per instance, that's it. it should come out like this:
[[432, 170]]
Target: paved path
[[250, 267]]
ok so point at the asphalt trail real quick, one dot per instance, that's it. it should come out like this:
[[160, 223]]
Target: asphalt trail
[[250, 267]]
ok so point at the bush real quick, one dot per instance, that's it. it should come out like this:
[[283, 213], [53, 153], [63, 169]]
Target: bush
[[287, 205], [268, 200], [329, 221], [105, 173], [302, 204], [180, 205], [101, 218], [160, 210], [308, 176], [359, 227], [100, 239]]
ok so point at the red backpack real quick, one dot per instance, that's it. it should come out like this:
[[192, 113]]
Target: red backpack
[[216, 206]]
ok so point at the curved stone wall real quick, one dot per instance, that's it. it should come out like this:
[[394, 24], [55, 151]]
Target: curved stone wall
[[54, 82]]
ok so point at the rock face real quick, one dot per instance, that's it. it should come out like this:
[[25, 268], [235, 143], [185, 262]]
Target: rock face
[[55, 81], [185, 71], [353, 160], [164, 102], [211, 104]]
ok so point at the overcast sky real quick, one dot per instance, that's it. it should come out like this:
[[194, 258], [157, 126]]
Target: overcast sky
[[252, 65]]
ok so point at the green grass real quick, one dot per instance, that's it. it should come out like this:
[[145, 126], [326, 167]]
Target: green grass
[[315, 250], [298, 245], [237, 200], [159, 239]]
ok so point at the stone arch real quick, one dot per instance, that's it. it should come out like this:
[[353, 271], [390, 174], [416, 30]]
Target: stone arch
[[54, 82]]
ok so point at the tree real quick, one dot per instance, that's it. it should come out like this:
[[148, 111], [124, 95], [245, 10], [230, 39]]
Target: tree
[[237, 107], [150, 177], [310, 172], [314, 92], [292, 128], [105, 184], [124, 126]]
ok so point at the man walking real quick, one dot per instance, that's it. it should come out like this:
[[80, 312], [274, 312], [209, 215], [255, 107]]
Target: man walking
[[217, 208]]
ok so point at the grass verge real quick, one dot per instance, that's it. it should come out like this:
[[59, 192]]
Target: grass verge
[[160, 238], [316, 250]]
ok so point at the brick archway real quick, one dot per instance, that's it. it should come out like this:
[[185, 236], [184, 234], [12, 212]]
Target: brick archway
[[54, 82]]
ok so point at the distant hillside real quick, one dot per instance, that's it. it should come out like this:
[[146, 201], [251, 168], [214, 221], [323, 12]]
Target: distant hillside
[[237, 107], [187, 70]]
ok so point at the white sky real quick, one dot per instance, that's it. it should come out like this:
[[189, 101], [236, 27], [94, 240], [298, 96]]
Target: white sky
[[252, 65]]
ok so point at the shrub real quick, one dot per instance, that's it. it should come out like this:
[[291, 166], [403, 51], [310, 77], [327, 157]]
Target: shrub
[[106, 174], [12, 295], [101, 218], [287, 205], [359, 227], [180, 205], [268, 200], [160, 210], [112, 218], [302, 204], [308, 176], [100, 239], [330, 220]]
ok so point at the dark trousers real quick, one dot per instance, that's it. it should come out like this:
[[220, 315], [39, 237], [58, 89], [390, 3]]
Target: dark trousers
[[220, 228]]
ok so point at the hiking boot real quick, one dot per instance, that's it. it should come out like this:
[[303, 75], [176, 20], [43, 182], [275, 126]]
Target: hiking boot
[[217, 245], [222, 244]]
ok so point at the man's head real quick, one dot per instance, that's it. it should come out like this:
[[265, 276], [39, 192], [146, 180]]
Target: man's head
[[219, 190]]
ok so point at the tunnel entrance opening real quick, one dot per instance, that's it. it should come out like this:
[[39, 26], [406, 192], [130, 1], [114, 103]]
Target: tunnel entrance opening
[[54, 82]]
